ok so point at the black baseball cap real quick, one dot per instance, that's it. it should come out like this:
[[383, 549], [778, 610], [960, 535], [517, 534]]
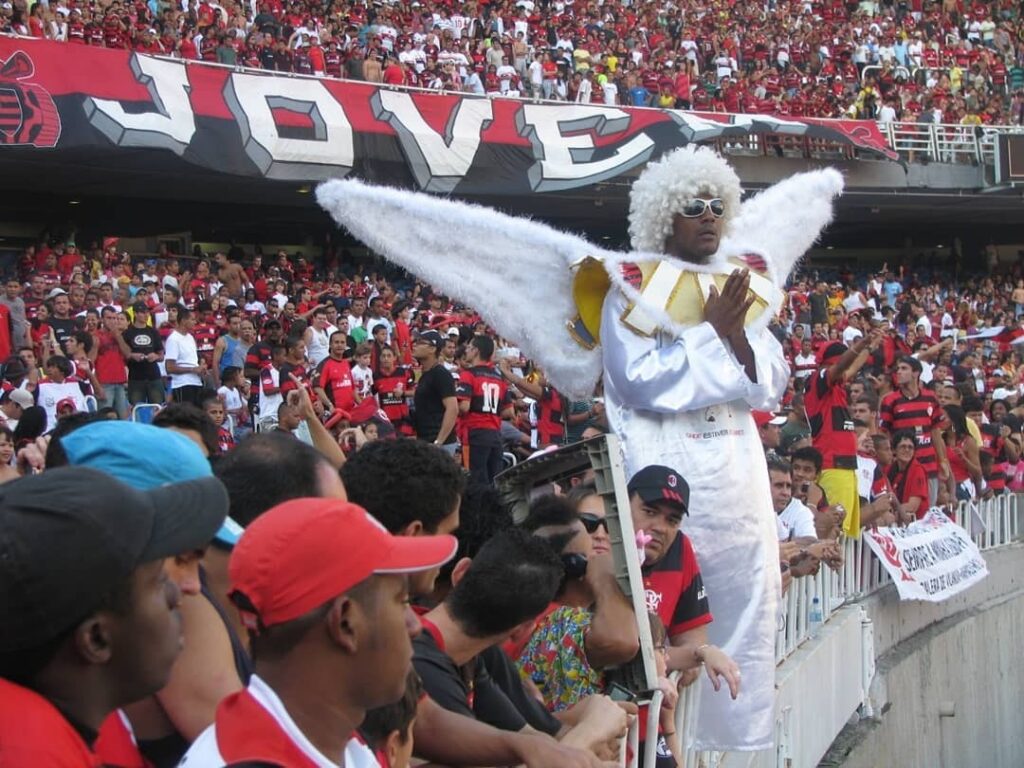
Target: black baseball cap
[[657, 483], [70, 535], [432, 337], [140, 306]]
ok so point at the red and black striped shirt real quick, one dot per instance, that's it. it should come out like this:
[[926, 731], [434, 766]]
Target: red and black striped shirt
[[487, 394], [920, 415], [831, 423]]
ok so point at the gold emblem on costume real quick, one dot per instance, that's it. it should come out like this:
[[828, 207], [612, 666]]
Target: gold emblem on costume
[[681, 293]]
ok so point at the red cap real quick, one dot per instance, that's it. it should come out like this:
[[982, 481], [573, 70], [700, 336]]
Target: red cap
[[300, 554], [67, 402], [763, 418]]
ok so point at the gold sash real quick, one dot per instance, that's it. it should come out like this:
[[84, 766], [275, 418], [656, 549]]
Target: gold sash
[[681, 293]]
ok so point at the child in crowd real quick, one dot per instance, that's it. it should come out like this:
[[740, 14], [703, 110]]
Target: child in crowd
[[234, 392], [214, 407], [362, 373], [388, 730]]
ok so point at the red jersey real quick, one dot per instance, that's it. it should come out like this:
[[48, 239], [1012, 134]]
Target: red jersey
[[392, 389], [34, 732], [550, 421], [674, 589], [831, 424], [487, 394], [225, 440], [206, 336], [335, 378], [920, 415], [110, 365], [913, 482]]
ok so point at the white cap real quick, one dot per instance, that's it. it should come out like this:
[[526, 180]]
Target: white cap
[[56, 292], [1003, 393], [22, 397]]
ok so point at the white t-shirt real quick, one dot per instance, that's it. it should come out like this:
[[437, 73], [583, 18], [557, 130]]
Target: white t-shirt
[[362, 381], [796, 521], [318, 346], [232, 398], [49, 393], [804, 365], [270, 403], [181, 348]]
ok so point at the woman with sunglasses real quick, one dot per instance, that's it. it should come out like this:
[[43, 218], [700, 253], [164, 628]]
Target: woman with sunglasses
[[590, 508]]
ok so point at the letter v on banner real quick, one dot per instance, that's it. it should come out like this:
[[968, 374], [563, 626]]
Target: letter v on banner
[[327, 153], [438, 162], [170, 125], [565, 150]]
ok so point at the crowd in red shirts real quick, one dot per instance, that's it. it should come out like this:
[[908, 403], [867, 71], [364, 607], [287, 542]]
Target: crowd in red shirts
[[97, 329], [921, 378], [957, 61]]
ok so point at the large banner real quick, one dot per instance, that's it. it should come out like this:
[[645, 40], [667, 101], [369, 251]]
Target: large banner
[[931, 559], [56, 96]]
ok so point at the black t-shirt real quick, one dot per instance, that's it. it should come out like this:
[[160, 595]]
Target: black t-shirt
[[143, 341], [819, 307], [433, 386], [505, 675], [62, 329], [474, 695]]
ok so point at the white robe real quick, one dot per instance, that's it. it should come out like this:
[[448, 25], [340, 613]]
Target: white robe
[[684, 401]]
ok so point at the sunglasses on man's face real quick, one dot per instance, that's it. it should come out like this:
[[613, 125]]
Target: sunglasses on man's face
[[698, 205], [593, 522]]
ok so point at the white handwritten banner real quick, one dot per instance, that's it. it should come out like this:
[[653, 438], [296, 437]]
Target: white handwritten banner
[[931, 559]]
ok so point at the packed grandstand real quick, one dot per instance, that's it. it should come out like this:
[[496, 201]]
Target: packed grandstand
[[954, 62]]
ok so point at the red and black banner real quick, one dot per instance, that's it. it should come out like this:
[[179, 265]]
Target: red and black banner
[[56, 96]]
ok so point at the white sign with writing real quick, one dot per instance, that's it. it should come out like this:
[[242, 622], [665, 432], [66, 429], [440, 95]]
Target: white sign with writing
[[931, 559]]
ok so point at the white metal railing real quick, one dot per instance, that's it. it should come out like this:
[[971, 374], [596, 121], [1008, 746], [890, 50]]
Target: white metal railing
[[860, 575], [945, 142]]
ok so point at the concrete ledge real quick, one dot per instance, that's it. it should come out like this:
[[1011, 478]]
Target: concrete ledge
[[948, 678]]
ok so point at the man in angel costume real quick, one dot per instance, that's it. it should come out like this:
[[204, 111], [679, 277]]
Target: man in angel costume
[[679, 329]]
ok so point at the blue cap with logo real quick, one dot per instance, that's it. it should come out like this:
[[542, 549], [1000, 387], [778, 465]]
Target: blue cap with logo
[[144, 457]]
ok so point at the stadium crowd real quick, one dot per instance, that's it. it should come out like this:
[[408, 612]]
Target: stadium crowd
[[225, 597], [907, 61]]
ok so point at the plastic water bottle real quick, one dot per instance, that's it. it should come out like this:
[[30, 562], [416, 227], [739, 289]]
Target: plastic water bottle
[[814, 618]]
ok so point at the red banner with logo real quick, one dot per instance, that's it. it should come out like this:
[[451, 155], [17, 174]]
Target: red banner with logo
[[56, 96]]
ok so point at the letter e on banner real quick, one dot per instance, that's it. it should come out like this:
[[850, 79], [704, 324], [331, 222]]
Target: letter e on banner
[[170, 125], [326, 153], [566, 161], [438, 162]]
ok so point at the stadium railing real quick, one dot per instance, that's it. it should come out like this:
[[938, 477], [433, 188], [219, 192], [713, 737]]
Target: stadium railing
[[860, 576]]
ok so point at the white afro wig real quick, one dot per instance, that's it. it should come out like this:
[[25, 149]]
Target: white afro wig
[[664, 187]]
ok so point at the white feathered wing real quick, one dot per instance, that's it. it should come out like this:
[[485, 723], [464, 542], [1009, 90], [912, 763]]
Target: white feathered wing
[[784, 220], [514, 272]]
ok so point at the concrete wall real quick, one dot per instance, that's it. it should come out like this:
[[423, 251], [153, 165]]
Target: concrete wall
[[949, 679]]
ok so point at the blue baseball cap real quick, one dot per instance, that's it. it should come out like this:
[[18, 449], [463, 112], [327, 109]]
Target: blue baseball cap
[[144, 457]]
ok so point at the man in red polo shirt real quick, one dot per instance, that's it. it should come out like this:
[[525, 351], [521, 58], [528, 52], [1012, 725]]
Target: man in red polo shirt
[[103, 630], [324, 590]]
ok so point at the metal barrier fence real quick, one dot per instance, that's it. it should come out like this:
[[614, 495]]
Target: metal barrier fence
[[860, 575]]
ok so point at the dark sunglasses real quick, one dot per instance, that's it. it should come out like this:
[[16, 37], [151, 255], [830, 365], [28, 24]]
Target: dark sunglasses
[[593, 522], [698, 205]]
